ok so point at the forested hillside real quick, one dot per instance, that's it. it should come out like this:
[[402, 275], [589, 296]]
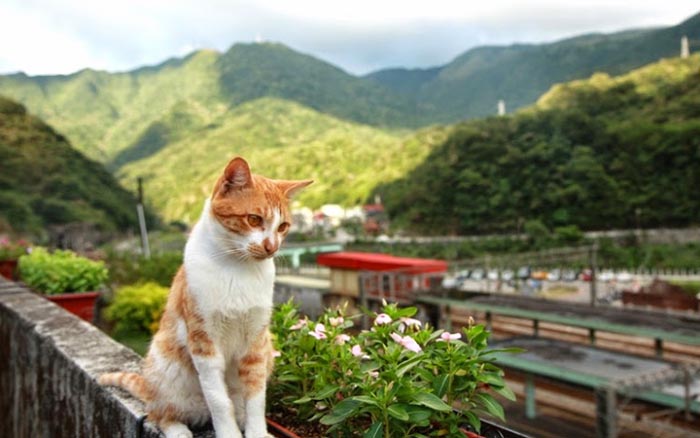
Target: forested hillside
[[283, 140], [44, 181], [471, 85], [598, 153]]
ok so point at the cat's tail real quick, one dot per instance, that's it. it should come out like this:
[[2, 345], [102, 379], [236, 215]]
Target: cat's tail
[[132, 382]]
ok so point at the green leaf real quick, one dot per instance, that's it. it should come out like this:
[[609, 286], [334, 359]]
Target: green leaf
[[303, 400], [375, 431], [364, 399], [431, 401], [492, 379], [407, 312], [326, 392], [398, 411], [418, 414], [407, 365], [490, 405], [440, 385], [341, 412], [505, 392], [473, 420]]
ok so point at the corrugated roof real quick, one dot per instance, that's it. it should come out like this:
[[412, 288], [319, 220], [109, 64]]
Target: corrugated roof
[[379, 262]]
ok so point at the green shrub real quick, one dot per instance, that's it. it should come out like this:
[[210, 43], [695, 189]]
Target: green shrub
[[61, 272], [125, 268], [138, 307]]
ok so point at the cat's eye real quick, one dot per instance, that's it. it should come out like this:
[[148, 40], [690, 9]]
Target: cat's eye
[[284, 226], [254, 220]]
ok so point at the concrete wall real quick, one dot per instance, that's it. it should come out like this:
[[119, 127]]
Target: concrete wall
[[49, 362]]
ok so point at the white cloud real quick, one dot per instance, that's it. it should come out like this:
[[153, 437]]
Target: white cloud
[[61, 36]]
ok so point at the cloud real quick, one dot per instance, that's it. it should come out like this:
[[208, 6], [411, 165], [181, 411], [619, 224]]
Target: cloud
[[62, 36]]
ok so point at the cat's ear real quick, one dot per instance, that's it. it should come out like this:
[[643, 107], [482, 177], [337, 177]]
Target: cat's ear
[[291, 188], [237, 174]]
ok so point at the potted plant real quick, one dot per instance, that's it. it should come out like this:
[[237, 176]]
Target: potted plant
[[399, 379], [10, 252], [69, 280]]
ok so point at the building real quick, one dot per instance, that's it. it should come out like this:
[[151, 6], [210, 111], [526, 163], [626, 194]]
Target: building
[[364, 278]]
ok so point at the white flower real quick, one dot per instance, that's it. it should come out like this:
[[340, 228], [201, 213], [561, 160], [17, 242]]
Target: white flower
[[409, 323], [335, 322], [300, 324], [342, 339], [382, 319], [356, 351], [447, 337], [407, 342]]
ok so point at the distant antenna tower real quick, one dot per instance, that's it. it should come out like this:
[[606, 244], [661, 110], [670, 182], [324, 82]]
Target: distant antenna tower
[[501, 107], [685, 47]]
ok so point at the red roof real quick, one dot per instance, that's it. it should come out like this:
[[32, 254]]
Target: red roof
[[379, 262]]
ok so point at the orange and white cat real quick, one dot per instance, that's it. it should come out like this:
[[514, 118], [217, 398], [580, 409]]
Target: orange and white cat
[[212, 354]]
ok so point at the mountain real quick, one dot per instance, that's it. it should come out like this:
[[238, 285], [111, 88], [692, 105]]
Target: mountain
[[109, 116], [105, 114], [283, 140], [605, 152], [44, 181], [471, 85]]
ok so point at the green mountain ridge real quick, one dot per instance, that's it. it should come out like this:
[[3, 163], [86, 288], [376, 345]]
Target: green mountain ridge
[[282, 140], [601, 153], [45, 182], [471, 85], [111, 116]]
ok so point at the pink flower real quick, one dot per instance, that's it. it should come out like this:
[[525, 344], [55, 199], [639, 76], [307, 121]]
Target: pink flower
[[356, 351], [374, 374], [447, 337], [276, 353], [342, 339], [319, 332], [300, 324], [382, 319], [335, 322], [407, 342]]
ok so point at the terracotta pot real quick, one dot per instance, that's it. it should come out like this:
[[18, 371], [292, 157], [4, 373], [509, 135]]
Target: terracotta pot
[[8, 268], [81, 304]]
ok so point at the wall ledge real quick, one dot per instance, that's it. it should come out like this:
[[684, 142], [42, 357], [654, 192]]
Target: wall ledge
[[48, 373]]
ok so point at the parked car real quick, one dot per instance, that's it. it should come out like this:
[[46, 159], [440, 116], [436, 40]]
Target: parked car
[[507, 275], [539, 275], [606, 276], [623, 277], [554, 275], [524, 272], [492, 275], [569, 275], [477, 274], [586, 275]]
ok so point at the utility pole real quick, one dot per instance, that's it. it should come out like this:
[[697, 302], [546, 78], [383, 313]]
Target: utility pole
[[145, 248], [685, 47]]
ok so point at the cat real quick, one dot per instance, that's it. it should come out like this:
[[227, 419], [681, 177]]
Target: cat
[[212, 354]]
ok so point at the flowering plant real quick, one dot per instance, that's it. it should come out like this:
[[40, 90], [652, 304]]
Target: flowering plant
[[10, 250], [401, 378]]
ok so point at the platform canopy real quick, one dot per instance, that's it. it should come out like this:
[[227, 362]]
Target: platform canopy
[[367, 261]]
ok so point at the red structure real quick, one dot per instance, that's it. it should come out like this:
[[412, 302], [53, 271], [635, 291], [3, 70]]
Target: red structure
[[374, 276]]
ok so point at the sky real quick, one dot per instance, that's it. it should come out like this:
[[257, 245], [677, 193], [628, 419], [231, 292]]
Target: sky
[[63, 36]]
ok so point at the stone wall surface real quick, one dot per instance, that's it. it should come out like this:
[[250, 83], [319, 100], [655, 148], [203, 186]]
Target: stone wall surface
[[49, 364]]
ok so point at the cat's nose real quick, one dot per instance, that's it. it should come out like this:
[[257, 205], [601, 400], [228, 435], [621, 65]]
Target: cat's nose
[[269, 246]]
